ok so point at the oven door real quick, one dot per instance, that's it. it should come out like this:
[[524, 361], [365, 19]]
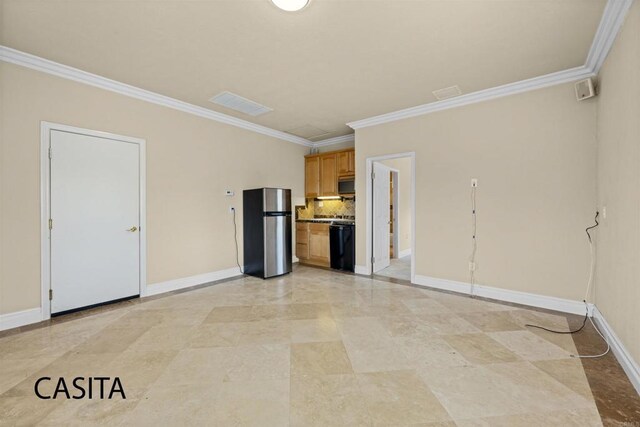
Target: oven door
[[347, 186]]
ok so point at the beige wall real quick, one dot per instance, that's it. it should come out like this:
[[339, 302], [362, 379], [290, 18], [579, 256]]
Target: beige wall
[[190, 162], [403, 166], [535, 157], [618, 262]]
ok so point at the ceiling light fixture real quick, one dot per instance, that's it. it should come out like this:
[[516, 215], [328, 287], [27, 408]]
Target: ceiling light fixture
[[290, 5]]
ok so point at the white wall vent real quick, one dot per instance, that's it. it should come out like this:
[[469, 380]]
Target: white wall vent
[[447, 92], [238, 103], [308, 132]]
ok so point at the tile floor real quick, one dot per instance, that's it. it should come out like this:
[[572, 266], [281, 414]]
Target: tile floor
[[399, 268], [311, 348]]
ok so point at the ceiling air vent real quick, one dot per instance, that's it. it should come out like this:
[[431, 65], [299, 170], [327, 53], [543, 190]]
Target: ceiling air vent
[[308, 132], [447, 92], [238, 103]]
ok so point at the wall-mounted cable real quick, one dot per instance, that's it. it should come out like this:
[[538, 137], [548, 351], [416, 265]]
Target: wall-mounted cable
[[586, 298], [474, 243], [235, 237], [593, 257]]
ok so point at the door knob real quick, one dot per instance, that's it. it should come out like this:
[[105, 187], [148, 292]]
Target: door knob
[[133, 229]]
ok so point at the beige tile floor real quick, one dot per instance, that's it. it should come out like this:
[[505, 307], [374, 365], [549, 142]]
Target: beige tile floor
[[399, 268], [312, 348]]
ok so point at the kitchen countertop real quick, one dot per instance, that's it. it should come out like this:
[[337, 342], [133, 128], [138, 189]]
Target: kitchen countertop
[[328, 220]]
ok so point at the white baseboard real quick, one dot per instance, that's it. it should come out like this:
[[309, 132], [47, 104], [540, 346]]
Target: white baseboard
[[627, 362], [295, 259], [406, 252], [187, 282], [524, 298], [20, 318], [34, 315], [361, 269]]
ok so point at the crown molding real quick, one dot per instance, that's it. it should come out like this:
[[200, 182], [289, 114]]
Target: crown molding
[[479, 96], [337, 140], [27, 60], [612, 20]]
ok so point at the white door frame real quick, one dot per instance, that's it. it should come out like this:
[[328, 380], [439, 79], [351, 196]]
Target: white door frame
[[45, 205], [369, 216]]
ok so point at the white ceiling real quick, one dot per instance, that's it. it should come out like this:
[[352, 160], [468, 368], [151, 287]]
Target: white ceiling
[[335, 62]]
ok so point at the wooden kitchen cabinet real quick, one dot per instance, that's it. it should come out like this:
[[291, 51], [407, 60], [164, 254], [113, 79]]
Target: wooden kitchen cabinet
[[319, 244], [302, 241], [312, 176], [346, 163], [312, 243], [322, 172], [302, 251], [328, 175]]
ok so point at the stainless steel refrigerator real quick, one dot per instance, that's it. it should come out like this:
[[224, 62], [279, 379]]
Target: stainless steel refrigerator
[[267, 232]]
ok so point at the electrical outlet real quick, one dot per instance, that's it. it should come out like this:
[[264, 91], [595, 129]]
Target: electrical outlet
[[604, 212], [474, 182], [472, 266], [232, 209], [229, 193]]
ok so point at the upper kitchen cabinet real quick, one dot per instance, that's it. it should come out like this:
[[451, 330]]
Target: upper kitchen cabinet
[[328, 175], [323, 171], [346, 163], [312, 176]]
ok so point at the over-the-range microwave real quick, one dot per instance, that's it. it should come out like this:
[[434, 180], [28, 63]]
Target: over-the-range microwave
[[347, 186]]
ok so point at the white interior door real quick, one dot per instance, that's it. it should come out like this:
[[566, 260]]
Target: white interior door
[[95, 212], [381, 215]]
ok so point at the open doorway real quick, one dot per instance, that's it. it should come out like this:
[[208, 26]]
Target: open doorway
[[391, 212]]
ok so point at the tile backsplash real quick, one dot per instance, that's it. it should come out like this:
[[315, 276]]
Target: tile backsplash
[[327, 208], [304, 212]]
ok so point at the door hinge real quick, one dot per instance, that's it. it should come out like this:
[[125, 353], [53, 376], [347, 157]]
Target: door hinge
[[50, 294], [373, 260], [50, 224], [373, 175], [50, 154]]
